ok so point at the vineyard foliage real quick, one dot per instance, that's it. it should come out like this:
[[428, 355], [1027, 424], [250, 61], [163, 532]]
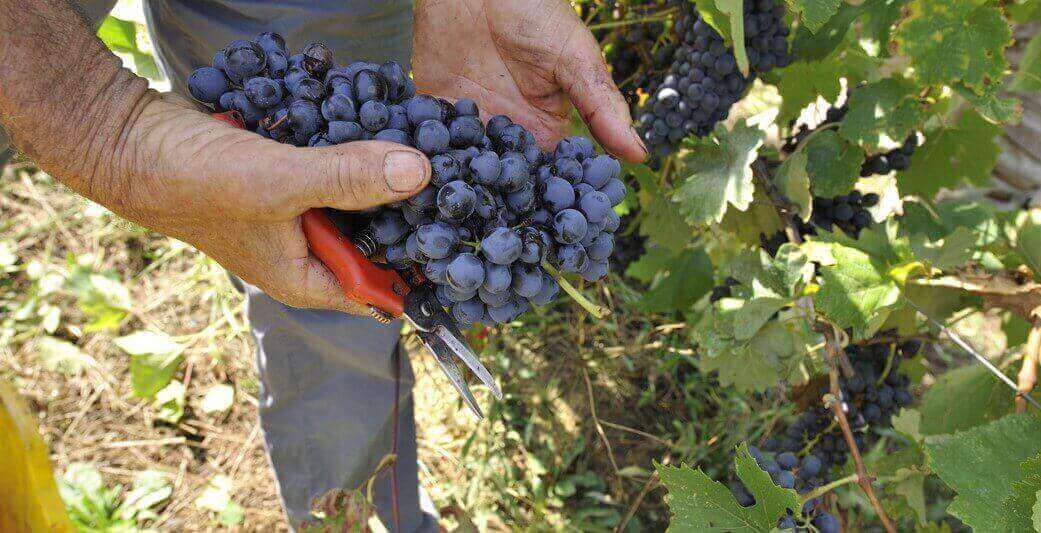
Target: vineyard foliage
[[752, 233]]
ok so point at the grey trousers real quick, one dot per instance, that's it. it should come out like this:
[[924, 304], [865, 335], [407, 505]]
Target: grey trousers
[[327, 379]]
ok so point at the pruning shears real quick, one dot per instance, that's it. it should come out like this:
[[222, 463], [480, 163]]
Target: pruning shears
[[388, 293]]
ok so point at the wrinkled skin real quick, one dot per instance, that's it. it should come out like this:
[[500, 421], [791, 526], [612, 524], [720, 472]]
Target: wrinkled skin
[[528, 59]]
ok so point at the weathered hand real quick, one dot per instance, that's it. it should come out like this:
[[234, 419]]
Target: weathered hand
[[527, 59]]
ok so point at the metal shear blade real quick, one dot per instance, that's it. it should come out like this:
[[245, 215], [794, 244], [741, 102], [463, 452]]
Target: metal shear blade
[[444, 340]]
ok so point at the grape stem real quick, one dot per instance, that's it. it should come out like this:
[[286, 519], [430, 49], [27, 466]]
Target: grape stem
[[824, 489], [597, 311], [656, 17]]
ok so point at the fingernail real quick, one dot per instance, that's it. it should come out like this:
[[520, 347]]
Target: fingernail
[[636, 135], [404, 171]]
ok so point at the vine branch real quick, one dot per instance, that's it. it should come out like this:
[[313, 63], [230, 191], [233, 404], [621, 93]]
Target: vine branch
[[835, 357], [863, 478]]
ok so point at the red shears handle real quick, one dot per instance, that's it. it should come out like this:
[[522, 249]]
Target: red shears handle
[[360, 279]]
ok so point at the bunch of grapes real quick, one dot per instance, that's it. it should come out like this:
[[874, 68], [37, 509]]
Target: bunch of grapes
[[789, 472], [636, 41], [703, 81], [874, 165], [497, 209], [870, 398], [847, 212]]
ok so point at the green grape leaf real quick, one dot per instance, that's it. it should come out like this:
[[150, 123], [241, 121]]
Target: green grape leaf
[[955, 40], [1019, 506], [759, 218], [1024, 10], [856, 292], [963, 398], [794, 182], [655, 259], [814, 13], [981, 464], [734, 10], [965, 152], [800, 84], [992, 105], [719, 173], [659, 221], [879, 18], [882, 243], [697, 503], [1029, 76], [1028, 239], [832, 163], [688, 278], [814, 46], [739, 336], [888, 107], [949, 252]]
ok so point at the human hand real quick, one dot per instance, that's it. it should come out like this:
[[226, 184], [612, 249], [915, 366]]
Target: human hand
[[238, 197], [527, 59]]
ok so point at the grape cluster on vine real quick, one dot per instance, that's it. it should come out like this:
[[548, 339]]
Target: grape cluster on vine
[[703, 81], [870, 398], [497, 211], [788, 471]]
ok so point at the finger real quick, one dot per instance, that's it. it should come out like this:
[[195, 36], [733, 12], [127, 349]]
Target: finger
[[353, 176], [583, 75], [284, 181]]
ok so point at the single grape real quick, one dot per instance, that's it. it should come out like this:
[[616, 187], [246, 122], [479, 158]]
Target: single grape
[[207, 84], [466, 107], [786, 480], [413, 251], [496, 124], [611, 222], [369, 85], [396, 79], [445, 168], [432, 137], [394, 136], [557, 194], [341, 132], [577, 148], [424, 107], [502, 246], [424, 200], [304, 118], [339, 107], [810, 466], [456, 200], [601, 247], [825, 523], [599, 170], [388, 227], [486, 168], [398, 118], [497, 278], [374, 115], [470, 312], [527, 279], [615, 191], [308, 89], [569, 169], [436, 240], [465, 272], [271, 41], [494, 299], [787, 460], [522, 201], [594, 205], [515, 172], [548, 292], [243, 60], [595, 270], [397, 255], [435, 270], [457, 295], [572, 258], [569, 226], [466, 131]]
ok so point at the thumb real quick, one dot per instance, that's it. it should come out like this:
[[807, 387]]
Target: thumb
[[284, 181], [583, 75]]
